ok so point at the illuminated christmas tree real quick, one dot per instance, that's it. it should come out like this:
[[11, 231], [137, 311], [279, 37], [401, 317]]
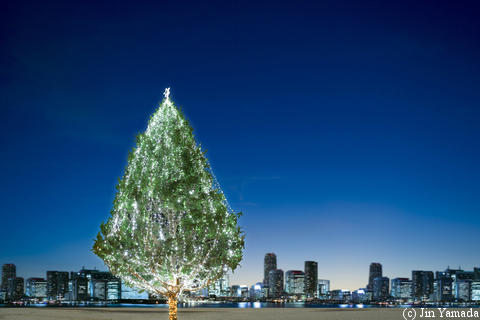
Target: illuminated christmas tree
[[171, 229]]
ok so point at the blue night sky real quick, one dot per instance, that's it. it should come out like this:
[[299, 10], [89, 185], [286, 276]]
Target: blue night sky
[[346, 132]]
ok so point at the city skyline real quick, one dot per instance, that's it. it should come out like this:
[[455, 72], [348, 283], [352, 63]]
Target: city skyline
[[345, 132], [367, 276], [449, 286]]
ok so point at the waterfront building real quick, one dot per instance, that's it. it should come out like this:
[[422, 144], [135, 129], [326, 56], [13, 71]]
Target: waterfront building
[[77, 287], [36, 288], [57, 285], [341, 296], [462, 290], [101, 285], [114, 289], [294, 282], [220, 288], [311, 278], [9, 273], [256, 291], [19, 288], [265, 290], [236, 291], [275, 279], [381, 288], [360, 296], [443, 287], [269, 264], [422, 284], [244, 291], [401, 289], [375, 271], [475, 291], [323, 287]]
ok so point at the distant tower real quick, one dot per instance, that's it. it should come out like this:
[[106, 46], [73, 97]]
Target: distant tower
[[9, 271], [375, 272], [311, 278], [270, 263], [9, 274]]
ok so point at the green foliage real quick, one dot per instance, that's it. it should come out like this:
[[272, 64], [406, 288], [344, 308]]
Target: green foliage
[[169, 225]]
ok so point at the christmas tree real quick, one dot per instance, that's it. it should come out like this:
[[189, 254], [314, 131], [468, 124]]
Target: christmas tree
[[171, 229]]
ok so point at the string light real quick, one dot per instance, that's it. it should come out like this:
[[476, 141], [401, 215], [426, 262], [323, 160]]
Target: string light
[[171, 228]]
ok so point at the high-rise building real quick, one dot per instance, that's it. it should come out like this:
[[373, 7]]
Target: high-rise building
[[9, 273], [360, 296], [422, 284], [77, 287], [401, 288], [114, 289], [443, 286], [462, 290], [475, 291], [256, 291], [275, 279], [311, 278], [19, 288], [270, 263], [323, 288], [236, 291], [294, 282], [220, 288], [374, 272], [57, 284], [244, 291], [381, 288], [101, 285], [36, 288]]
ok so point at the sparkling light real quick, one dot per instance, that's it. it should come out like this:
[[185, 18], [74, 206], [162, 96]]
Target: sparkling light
[[171, 228]]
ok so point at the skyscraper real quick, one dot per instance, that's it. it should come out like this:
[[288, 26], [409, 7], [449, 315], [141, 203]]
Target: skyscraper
[[78, 287], [381, 288], [19, 288], [294, 282], [401, 288], [9, 273], [422, 284], [270, 263], [311, 278], [444, 286], [57, 284], [275, 279], [374, 272]]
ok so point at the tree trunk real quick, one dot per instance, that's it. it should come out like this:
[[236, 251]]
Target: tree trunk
[[172, 306]]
